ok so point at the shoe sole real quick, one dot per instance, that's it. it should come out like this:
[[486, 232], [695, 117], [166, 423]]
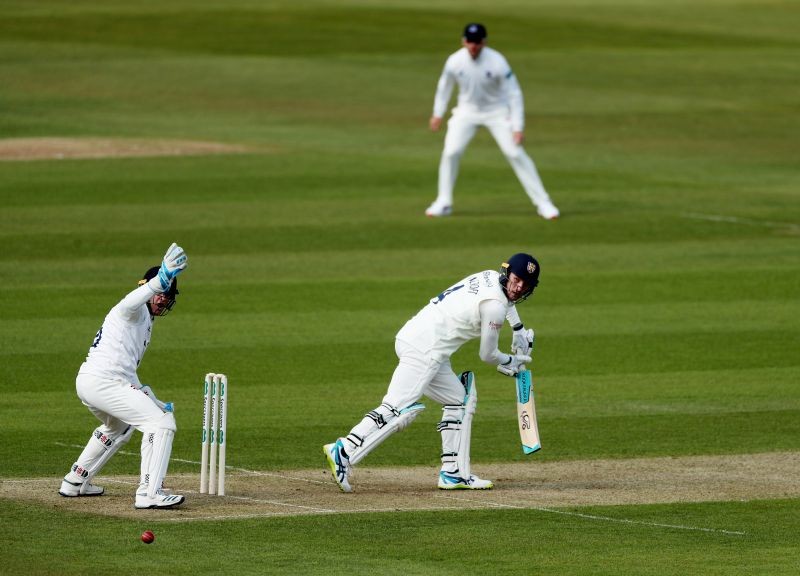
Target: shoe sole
[[465, 487], [156, 506], [332, 466], [80, 495], [462, 485]]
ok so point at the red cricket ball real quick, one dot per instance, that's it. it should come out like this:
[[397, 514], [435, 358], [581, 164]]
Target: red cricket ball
[[148, 537]]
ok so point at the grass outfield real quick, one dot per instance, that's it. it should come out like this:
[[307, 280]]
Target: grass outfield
[[666, 316]]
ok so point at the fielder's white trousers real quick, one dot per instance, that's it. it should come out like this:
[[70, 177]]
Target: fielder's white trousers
[[461, 128], [418, 375]]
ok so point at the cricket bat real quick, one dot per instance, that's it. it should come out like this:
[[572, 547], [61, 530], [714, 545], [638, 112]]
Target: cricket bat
[[526, 413]]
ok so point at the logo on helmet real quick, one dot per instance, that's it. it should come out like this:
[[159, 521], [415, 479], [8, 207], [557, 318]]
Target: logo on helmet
[[531, 267]]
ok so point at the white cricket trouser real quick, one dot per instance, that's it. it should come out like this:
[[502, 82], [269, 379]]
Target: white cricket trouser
[[461, 128], [417, 375], [117, 403]]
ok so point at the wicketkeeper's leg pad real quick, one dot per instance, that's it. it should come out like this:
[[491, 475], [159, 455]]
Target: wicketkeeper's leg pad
[[377, 426], [160, 453], [104, 443]]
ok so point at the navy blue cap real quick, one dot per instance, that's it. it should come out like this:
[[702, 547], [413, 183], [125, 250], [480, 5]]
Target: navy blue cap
[[474, 33]]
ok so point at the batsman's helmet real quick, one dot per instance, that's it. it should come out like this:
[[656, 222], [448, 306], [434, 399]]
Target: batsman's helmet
[[171, 293], [525, 267]]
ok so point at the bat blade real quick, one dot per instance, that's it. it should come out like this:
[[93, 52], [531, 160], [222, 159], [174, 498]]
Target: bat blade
[[526, 414]]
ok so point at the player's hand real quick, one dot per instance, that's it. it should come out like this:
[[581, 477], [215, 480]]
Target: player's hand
[[173, 264], [165, 406], [435, 123], [519, 137], [522, 341], [514, 365]]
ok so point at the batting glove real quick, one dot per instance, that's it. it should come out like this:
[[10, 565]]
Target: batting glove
[[174, 262], [516, 362], [522, 341]]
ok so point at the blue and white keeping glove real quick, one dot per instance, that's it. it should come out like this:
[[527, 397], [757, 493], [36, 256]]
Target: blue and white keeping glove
[[522, 341], [516, 362], [165, 406], [173, 264]]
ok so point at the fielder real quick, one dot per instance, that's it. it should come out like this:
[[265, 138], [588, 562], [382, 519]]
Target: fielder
[[108, 385], [475, 307], [488, 95]]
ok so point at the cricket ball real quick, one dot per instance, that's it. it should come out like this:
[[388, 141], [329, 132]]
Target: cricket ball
[[148, 537]]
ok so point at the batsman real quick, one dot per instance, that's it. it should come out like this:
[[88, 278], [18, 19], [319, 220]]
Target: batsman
[[475, 307]]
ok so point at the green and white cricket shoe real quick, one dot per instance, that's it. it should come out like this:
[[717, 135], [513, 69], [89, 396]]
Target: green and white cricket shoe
[[160, 500], [339, 464], [452, 482]]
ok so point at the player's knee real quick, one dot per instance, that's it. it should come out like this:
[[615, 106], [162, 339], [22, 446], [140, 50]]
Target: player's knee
[[165, 421], [113, 430], [109, 435], [450, 154]]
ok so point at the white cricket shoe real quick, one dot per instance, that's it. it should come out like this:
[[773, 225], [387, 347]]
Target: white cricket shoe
[[452, 482], [437, 210], [144, 487], [548, 211], [73, 486], [160, 500], [339, 464]]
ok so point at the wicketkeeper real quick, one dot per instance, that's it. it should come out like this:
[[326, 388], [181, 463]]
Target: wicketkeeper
[[475, 307], [108, 385]]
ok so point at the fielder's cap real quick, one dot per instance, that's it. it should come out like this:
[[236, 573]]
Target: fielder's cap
[[474, 33]]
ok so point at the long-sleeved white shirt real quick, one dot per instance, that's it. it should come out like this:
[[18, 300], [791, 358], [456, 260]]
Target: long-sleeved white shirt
[[486, 84], [475, 307], [122, 340]]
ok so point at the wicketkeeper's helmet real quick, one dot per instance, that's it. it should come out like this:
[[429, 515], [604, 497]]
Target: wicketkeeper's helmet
[[525, 267], [171, 293]]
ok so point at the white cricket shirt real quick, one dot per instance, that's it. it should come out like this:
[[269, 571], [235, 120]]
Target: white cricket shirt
[[475, 307], [486, 84], [122, 340]]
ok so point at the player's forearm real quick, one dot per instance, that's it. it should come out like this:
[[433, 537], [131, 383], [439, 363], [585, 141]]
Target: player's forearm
[[444, 89], [133, 302], [516, 104], [490, 353], [490, 339]]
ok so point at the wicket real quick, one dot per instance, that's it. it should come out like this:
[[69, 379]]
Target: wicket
[[215, 427]]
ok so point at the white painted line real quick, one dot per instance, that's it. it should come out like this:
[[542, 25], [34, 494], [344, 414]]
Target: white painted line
[[309, 513], [233, 468], [595, 517], [736, 220], [275, 503]]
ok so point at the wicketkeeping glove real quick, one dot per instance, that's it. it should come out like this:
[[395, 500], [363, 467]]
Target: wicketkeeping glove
[[522, 341], [514, 365], [173, 264], [165, 406]]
